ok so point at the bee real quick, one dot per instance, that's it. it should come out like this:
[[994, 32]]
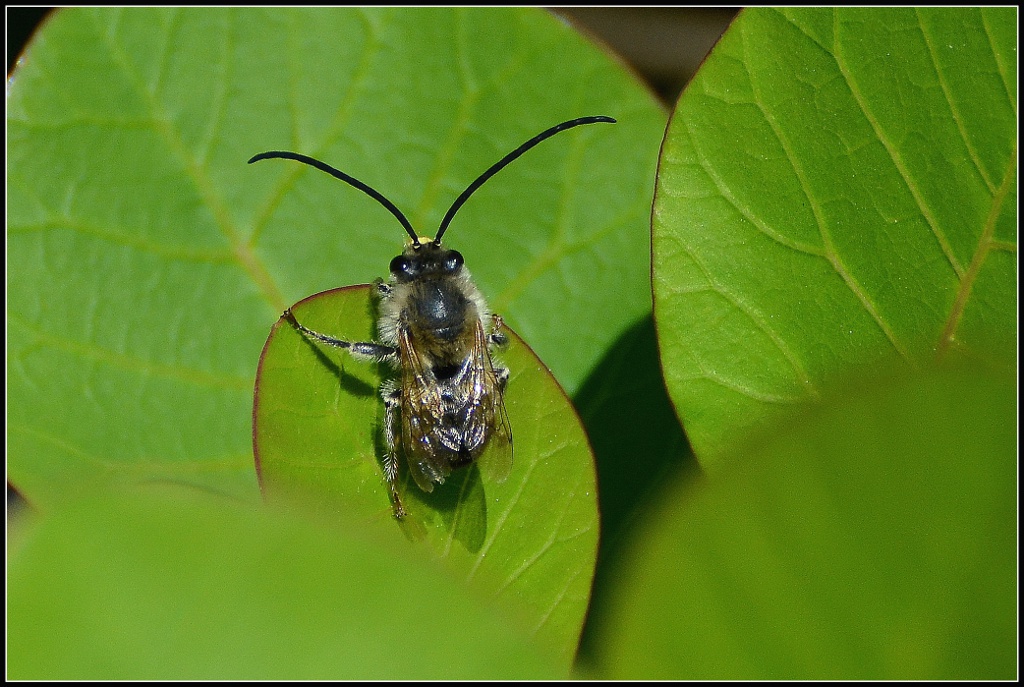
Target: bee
[[435, 329]]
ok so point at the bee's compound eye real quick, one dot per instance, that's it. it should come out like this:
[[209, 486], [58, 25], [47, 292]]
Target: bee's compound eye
[[453, 261], [400, 265]]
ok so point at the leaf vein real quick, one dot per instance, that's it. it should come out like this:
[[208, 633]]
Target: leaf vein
[[997, 57], [830, 251], [64, 444], [556, 602], [759, 224], [218, 107], [742, 389], [503, 517], [985, 245], [244, 256], [898, 164], [127, 362], [292, 173], [954, 110], [121, 238], [548, 543], [755, 317]]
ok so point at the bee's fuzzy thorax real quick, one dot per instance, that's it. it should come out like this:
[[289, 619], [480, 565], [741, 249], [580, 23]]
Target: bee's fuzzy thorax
[[441, 313]]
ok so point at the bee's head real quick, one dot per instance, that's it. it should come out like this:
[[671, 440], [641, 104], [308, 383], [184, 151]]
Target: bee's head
[[425, 258]]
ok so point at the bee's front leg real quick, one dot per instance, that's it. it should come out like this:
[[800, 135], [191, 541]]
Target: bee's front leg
[[360, 349], [392, 399], [383, 288]]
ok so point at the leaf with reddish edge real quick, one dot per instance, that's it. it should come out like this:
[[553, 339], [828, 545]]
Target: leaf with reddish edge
[[531, 540]]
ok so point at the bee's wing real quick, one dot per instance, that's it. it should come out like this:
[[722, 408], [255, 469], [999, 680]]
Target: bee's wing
[[496, 460], [421, 402]]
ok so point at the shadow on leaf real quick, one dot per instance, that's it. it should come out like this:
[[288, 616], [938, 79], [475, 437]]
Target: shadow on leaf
[[638, 444]]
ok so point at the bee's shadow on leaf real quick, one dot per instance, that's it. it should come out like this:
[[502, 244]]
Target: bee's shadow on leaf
[[348, 382], [459, 505], [462, 505]]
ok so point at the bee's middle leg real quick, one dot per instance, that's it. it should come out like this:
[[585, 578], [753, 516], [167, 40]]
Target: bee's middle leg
[[498, 338]]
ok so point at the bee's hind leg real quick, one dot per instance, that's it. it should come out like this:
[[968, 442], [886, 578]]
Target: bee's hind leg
[[501, 375], [392, 398]]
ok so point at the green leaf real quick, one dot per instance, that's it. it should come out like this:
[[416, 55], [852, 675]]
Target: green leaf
[[530, 540], [167, 585], [837, 186], [148, 261], [872, 538]]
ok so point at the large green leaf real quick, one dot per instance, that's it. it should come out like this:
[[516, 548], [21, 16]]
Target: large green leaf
[[871, 537], [148, 262], [837, 186], [163, 584], [530, 541]]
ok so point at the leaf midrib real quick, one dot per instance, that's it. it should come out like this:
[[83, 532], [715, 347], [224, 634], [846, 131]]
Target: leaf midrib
[[985, 245]]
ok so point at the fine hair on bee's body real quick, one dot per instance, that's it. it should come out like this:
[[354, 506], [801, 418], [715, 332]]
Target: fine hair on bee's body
[[446, 407]]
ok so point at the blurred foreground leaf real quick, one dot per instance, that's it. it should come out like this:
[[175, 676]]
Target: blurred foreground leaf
[[873, 538], [171, 586]]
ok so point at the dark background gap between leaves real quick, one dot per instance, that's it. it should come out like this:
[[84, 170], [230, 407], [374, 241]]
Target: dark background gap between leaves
[[664, 45], [633, 430]]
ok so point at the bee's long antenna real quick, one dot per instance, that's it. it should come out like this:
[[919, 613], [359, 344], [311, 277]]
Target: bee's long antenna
[[324, 167], [496, 167]]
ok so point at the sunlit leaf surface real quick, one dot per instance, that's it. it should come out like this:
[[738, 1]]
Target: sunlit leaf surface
[[147, 261], [837, 186]]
